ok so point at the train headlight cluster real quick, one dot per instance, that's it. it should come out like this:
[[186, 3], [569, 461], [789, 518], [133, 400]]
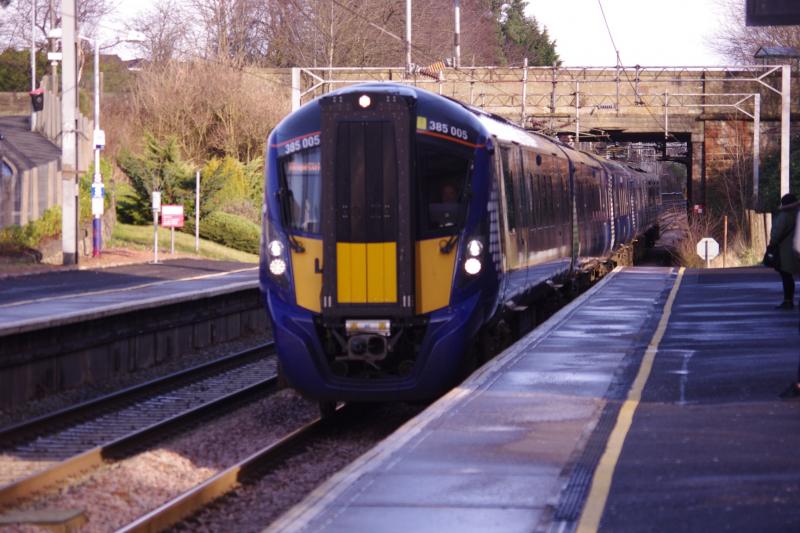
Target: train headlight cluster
[[277, 266], [472, 265], [364, 101], [474, 248], [276, 248]]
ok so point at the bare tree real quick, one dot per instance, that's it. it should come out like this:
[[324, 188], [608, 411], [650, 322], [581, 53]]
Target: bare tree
[[165, 31], [738, 42], [15, 29], [231, 29], [212, 108], [357, 32]]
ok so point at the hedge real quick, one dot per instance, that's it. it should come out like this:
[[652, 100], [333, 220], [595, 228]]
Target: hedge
[[230, 230]]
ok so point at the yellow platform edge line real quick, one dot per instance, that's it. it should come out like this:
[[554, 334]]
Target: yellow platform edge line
[[604, 473]]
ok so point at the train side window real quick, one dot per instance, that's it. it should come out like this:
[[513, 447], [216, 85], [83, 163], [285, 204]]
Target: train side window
[[508, 185], [301, 175], [536, 186]]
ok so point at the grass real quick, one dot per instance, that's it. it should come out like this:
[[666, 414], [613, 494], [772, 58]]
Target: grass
[[141, 237]]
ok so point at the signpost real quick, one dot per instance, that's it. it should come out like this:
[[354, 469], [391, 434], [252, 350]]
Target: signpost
[[156, 211], [707, 249], [172, 217]]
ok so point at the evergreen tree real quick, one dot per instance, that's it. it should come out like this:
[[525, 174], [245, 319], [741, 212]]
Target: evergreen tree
[[520, 36], [15, 69], [160, 168]]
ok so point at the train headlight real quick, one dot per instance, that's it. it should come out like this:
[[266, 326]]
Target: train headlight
[[474, 248], [275, 248], [277, 267], [472, 266], [364, 101]]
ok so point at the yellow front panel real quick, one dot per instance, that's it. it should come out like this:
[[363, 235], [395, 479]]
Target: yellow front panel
[[381, 272], [390, 271], [307, 282], [434, 273], [351, 272]]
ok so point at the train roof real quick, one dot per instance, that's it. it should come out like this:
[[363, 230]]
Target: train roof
[[484, 123]]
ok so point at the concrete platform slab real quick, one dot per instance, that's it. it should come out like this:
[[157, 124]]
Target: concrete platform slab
[[45, 300], [526, 443], [492, 453]]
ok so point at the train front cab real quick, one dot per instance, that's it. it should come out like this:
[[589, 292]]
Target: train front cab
[[374, 314]]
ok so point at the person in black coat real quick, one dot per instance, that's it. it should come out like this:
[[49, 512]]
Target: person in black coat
[[782, 236], [784, 226]]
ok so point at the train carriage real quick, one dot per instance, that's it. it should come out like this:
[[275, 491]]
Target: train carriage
[[399, 226]]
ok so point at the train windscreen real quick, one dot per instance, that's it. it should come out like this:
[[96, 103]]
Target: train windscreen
[[442, 177], [301, 172]]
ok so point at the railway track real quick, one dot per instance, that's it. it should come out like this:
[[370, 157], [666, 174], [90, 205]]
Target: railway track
[[272, 455], [85, 436]]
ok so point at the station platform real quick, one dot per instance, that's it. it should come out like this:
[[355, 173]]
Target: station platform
[[52, 299], [650, 403]]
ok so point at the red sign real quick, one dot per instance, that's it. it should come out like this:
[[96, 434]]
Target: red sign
[[172, 216]]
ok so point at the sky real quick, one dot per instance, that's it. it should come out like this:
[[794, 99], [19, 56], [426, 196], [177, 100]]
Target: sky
[[646, 32]]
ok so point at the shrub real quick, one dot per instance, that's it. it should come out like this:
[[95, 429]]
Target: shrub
[[770, 182], [231, 186], [230, 230], [214, 109], [31, 235]]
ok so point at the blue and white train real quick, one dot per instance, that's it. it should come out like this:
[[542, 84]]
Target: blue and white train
[[401, 227]]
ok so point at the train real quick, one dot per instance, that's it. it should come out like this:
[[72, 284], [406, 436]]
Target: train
[[404, 230]]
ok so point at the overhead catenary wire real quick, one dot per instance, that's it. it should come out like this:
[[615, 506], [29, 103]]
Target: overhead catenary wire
[[627, 77]]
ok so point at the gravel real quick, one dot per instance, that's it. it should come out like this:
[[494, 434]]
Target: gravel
[[254, 506], [65, 399], [117, 494], [46, 450]]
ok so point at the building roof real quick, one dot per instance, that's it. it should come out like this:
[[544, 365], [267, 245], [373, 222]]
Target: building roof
[[24, 148], [777, 52]]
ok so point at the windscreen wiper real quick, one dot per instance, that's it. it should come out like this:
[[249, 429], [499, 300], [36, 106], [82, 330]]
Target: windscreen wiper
[[284, 198]]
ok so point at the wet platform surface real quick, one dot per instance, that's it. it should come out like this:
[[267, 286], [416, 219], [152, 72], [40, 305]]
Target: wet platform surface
[[517, 446], [55, 298]]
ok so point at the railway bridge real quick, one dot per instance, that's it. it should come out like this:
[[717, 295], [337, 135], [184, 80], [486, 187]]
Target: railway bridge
[[720, 113]]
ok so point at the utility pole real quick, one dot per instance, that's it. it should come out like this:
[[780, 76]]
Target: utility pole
[[33, 61], [53, 62], [457, 38], [786, 95], [69, 151], [408, 37]]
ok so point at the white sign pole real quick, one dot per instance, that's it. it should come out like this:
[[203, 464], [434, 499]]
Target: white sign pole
[[156, 209], [172, 240], [197, 212], [708, 261]]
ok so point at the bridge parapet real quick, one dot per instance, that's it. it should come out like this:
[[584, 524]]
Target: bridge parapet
[[559, 99]]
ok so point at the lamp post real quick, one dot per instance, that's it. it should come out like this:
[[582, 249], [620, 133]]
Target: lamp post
[[67, 33], [99, 141]]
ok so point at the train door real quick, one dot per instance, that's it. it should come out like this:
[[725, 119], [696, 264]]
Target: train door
[[560, 169], [514, 228], [612, 210], [530, 174], [367, 217]]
